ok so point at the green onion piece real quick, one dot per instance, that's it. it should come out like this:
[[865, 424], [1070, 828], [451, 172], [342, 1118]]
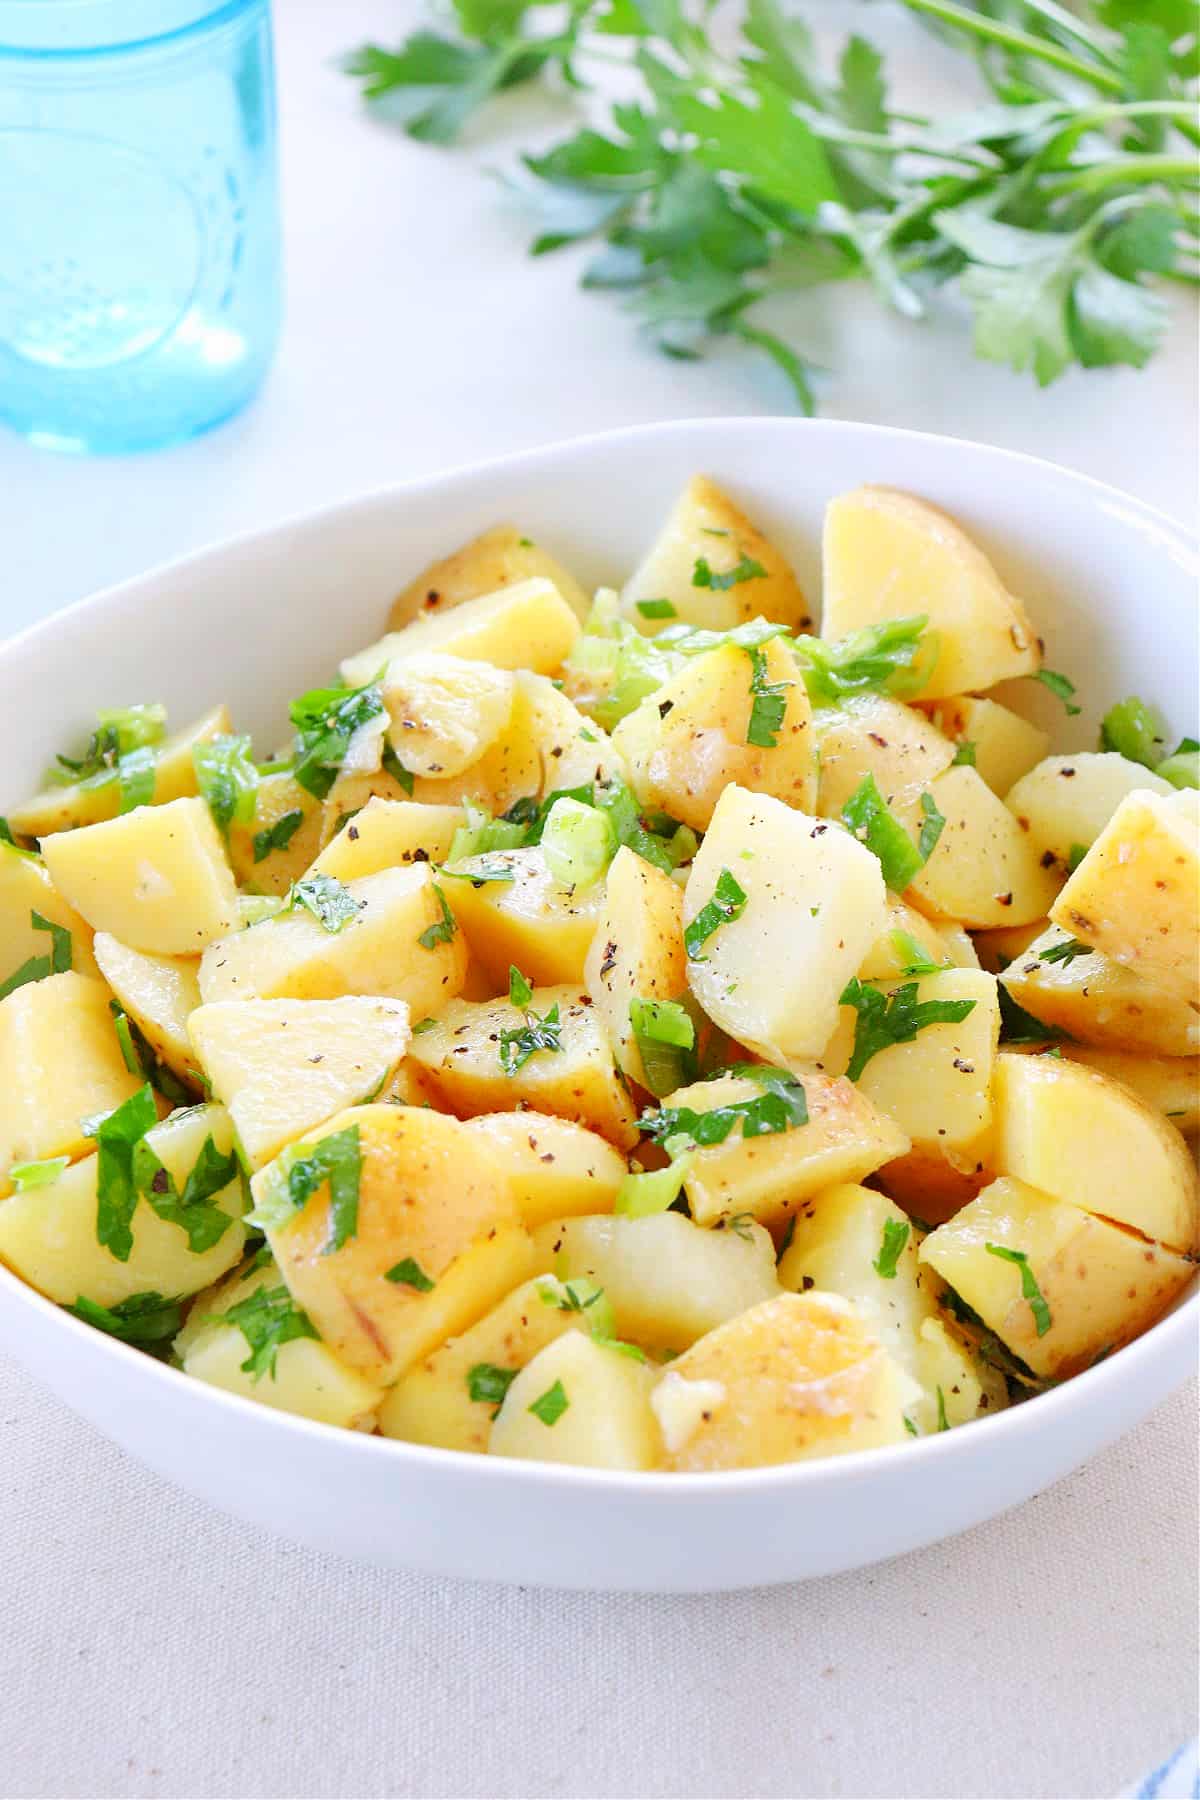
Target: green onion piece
[[1029, 1286], [895, 1236], [728, 903], [1135, 731], [488, 1383], [663, 1031], [550, 1406], [578, 843], [228, 780], [37, 1174], [409, 1273], [654, 1191], [656, 609], [874, 824], [1182, 767], [1061, 687]]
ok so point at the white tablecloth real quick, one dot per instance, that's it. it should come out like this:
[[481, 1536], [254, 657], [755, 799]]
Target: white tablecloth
[[149, 1647]]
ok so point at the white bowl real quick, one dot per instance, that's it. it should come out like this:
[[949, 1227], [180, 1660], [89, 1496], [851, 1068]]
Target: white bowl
[[265, 617]]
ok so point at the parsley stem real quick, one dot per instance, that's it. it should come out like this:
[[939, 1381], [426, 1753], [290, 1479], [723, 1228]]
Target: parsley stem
[[996, 32], [1125, 173]]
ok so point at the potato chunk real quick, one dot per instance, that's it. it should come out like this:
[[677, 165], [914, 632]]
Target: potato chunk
[[580, 1402], [1136, 894], [87, 802], [25, 889], [571, 750], [432, 1401], [983, 871], [555, 1168], [387, 834], [508, 770], [48, 1234], [814, 904], [157, 878], [889, 956], [280, 841], [60, 1063], [283, 1067], [532, 921], [637, 952], [769, 1176], [690, 739], [871, 735], [1100, 1001], [498, 558], [888, 555], [524, 626], [705, 530], [1003, 745], [800, 1376], [435, 1240], [158, 993], [668, 1281], [395, 947], [961, 1383], [1169, 1085], [445, 711], [1097, 1285], [460, 1059], [302, 1376], [1080, 1136], [1066, 801]]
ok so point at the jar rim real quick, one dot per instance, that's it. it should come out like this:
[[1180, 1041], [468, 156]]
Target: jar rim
[[64, 28]]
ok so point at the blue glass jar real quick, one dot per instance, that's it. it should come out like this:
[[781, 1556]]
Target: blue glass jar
[[139, 217]]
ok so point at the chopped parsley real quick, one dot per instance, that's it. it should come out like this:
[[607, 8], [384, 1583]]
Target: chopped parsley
[[1029, 1286], [337, 1160], [780, 1106], [117, 1134], [1066, 952], [37, 1174], [745, 569], [142, 1319], [520, 991], [895, 1018], [933, 825], [1061, 687], [277, 836], [267, 1319], [488, 1383], [443, 930], [1075, 856], [910, 1427], [36, 968], [392, 766], [896, 657], [911, 957], [943, 1423], [325, 720], [136, 777], [550, 1406], [872, 822], [1020, 1027], [769, 702], [409, 1273], [227, 779], [583, 1296], [728, 903], [120, 733], [895, 1236], [192, 1210], [664, 1033], [140, 1059], [329, 901], [964, 754], [519, 1043], [656, 609], [480, 876]]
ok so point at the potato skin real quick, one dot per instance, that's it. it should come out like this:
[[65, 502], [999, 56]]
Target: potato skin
[[637, 952], [1100, 1002], [983, 872], [498, 558]]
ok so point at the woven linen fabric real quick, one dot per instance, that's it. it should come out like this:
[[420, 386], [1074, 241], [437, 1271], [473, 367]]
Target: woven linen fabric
[[153, 1648]]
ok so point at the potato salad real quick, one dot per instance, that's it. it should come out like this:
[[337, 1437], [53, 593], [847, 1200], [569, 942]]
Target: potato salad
[[633, 1030]]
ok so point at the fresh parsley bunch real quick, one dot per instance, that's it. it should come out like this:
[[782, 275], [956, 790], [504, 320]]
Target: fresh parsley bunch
[[732, 175]]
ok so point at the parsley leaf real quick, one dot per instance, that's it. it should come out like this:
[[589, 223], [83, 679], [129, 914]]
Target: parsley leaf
[[895, 1018], [1029, 1285], [943, 1423], [964, 754], [228, 780], [117, 1135], [1061, 687], [519, 990], [664, 1033], [139, 1058], [37, 1174], [488, 1383], [518, 1044], [550, 1406], [331, 904], [277, 836], [142, 1319], [873, 823], [780, 1107], [895, 1236], [443, 929], [1066, 952], [656, 609], [337, 1160], [267, 1319], [895, 657], [933, 825], [409, 1273], [745, 569], [36, 968], [203, 1222], [1020, 1027], [326, 719], [769, 703], [912, 959], [728, 903]]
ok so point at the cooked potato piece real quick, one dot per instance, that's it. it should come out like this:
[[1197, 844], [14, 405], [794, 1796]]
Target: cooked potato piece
[[888, 555], [1169, 1085], [705, 531], [996, 949], [158, 993], [960, 945], [87, 802], [445, 711], [890, 956], [283, 1067], [460, 1059], [60, 1063], [280, 841], [300, 1376], [1136, 894], [387, 834], [983, 871], [1080, 1136], [799, 1376], [48, 1234], [637, 951], [527, 625], [690, 739], [581, 1402], [769, 1176], [532, 921], [1002, 745], [555, 1168], [435, 1240], [398, 946], [1066, 801], [771, 975], [871, 735], [1097, 1285], [937, 1087], [498, 558], [571, 749], [509, 770], [956, 1378], [432, 1401], [157, 878], [668, 1281], [1100, 1002], [851, 1241], [25, 889]]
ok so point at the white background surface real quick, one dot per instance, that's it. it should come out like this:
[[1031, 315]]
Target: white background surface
[[149, 1647]]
